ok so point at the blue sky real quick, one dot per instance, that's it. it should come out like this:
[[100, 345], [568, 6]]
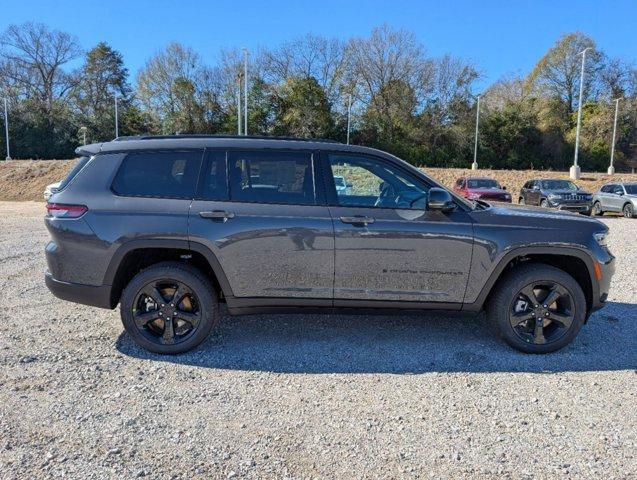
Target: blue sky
[[500, 37]]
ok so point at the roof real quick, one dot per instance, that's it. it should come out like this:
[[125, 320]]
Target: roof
[[217, 141]]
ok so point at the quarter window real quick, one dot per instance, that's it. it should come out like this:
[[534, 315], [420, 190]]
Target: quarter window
[[158, 174], [271, 176]]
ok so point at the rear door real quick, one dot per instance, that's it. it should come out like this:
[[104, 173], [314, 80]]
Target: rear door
[[263, 217], [388, 247]]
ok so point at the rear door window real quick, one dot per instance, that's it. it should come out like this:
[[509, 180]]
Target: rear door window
[[160, 174], [271, 176], [214, 178]]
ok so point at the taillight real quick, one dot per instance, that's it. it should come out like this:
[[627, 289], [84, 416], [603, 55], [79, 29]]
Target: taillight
[[59, 210]]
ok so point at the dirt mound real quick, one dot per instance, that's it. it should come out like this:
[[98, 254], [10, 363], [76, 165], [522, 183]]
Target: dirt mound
[[26, 179]]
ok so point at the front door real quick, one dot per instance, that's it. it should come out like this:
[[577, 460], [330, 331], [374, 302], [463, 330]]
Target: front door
[[258, 213], [388, 247]]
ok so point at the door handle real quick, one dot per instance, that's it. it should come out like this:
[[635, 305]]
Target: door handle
[[217, 215], [358, 220]]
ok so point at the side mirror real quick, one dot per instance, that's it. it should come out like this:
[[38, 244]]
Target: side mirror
[[441, 200], [536, 187]]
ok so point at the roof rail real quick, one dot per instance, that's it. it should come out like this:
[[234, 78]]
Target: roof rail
[[251, 137]]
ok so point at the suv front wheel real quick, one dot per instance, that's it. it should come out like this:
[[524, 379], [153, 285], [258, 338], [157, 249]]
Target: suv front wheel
[[537, 308], [169, 308]]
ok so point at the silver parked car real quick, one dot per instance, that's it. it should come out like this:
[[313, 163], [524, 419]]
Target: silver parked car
[[616, 197], [50, 190]]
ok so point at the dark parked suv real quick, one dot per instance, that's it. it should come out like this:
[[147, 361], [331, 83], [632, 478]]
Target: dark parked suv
[[556, 193], [169, 227]]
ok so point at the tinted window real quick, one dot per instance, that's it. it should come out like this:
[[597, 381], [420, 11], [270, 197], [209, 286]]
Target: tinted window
[[631, 189], [271, 176], [79, 165], [558, 185], [482, 183], [214, 179], [374, 183], [158, 174], [608, 188]]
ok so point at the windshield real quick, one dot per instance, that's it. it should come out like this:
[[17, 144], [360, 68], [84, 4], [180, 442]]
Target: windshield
[[558, 185], [483, 183]]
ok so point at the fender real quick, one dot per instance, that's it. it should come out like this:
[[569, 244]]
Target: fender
[[569, 251], [131, 245]]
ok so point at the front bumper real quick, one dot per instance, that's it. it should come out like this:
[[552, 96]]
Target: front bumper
[[99, 296], [600, 294], [572, 206]]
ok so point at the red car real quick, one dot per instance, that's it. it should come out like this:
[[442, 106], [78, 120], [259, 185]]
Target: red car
[[482, 188]]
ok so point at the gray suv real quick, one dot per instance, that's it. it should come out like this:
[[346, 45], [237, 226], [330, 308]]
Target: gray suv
[[171, 227], [616, 197], [556, 193]]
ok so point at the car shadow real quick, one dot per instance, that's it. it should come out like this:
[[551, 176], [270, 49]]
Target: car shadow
[[431, 342]]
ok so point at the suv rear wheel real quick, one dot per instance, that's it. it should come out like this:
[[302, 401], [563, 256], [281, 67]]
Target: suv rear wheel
[[169, 308], [537, 308]]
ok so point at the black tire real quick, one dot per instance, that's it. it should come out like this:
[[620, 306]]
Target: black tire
[[628, 211], [195, 314], [587, 213], [506, 308], [597, 209], [544, 203], [521, 201]]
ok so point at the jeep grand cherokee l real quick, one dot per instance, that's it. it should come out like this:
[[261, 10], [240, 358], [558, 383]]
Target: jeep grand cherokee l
[[169, 227]]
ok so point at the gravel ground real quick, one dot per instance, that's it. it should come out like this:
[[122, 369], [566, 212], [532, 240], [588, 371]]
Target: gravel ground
[[307, 396]]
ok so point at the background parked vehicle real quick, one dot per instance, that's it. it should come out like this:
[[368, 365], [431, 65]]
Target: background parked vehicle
[[556, 193], [51, 189], [481, 188], [616, 197]]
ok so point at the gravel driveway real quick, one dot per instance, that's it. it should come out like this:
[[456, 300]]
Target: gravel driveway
[[307, 396]]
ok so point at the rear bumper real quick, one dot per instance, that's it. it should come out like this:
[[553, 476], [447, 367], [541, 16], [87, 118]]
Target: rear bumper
[[75, 292]]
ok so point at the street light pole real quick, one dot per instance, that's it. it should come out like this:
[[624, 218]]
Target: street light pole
[[239, 104], [116, 119], [611, 168], [349, 114], [575, 169], [245, 86], [474, 165], [6, 127], [83, 135]]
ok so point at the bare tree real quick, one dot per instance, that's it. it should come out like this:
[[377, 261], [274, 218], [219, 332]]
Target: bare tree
[[31, 61]]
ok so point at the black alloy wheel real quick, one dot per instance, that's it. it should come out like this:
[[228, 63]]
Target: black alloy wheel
[[166, 311], [169, 308], [542, 312]]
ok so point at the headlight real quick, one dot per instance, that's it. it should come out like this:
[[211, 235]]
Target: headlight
[[555, 196], [601, 238]]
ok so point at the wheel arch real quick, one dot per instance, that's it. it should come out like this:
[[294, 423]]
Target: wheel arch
[[576, 262], [135, 255]]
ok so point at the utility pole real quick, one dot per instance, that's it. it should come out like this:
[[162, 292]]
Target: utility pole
[[349, 114], [474, 165], [576, 171], [611, 168], [116, 119], [245, 86], [6, 127], [239, 104]]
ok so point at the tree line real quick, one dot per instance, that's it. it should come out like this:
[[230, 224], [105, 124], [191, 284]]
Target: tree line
[[418, 107]]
